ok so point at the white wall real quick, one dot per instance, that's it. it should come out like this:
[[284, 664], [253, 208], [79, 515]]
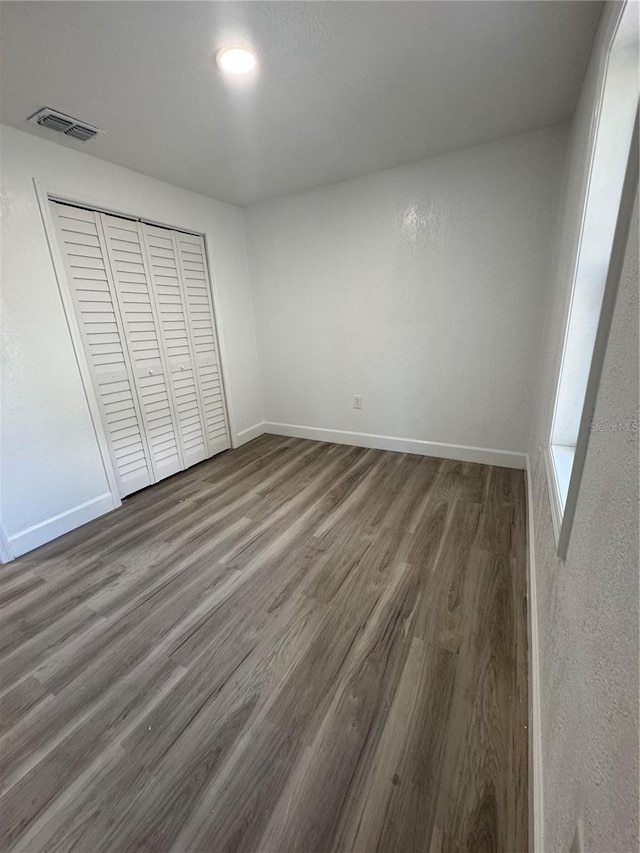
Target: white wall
[[420, 288], [588, 606], [51, 462]]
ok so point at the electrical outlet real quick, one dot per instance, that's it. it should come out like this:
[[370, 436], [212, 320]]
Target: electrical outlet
[[357, 401], [577, 845]]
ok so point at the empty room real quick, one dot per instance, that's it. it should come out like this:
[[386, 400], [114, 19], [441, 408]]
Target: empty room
[[319, 403]]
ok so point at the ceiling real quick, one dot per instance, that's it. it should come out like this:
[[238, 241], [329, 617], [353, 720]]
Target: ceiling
[[343, 88]]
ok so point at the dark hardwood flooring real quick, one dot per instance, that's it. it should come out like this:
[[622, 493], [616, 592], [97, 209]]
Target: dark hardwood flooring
[[295, 646]]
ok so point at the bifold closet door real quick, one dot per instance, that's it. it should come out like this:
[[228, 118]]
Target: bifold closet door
[[197, 294], [142, 333], [99, 324], [174, 327], [144, 310]]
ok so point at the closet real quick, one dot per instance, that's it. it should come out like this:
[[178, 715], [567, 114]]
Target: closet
[[144, 310]]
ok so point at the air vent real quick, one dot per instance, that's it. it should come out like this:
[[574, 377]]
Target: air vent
[[81, 131], [55, 123], [46, 117]]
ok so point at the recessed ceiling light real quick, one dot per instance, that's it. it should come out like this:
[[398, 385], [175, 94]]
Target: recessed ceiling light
[[235, 60]]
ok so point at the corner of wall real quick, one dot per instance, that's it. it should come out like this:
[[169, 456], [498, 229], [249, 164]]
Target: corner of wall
[[253, 317], [246, 435]]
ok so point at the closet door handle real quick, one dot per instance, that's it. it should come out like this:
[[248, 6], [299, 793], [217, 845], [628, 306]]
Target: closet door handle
[[151, 373]]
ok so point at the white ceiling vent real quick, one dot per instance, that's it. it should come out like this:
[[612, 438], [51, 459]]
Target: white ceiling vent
[[54, 120]]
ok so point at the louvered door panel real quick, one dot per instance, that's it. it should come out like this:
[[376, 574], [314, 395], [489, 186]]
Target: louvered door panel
[[197, 294], [100, 326], [172, 316], [142, 333]]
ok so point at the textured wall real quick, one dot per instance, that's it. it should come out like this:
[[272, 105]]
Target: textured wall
[[588, 615], [421, 288], [588, 606]]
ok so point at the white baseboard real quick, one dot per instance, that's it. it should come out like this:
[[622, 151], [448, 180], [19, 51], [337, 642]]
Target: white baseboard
[[36, 535], [249, 434], [460, 452], [536, 811]]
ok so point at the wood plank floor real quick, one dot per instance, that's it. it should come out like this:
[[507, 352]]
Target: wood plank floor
[[295, 646]]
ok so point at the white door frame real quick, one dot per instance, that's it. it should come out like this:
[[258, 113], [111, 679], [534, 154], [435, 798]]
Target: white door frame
[[44, 196], [6, 552]]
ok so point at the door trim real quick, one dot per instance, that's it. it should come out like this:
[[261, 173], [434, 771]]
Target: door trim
[[6, 551]]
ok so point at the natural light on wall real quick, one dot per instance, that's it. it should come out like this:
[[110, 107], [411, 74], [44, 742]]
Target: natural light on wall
[[612, 140]]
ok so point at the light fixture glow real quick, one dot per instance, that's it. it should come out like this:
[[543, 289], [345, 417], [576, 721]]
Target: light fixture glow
[[235, 60]]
